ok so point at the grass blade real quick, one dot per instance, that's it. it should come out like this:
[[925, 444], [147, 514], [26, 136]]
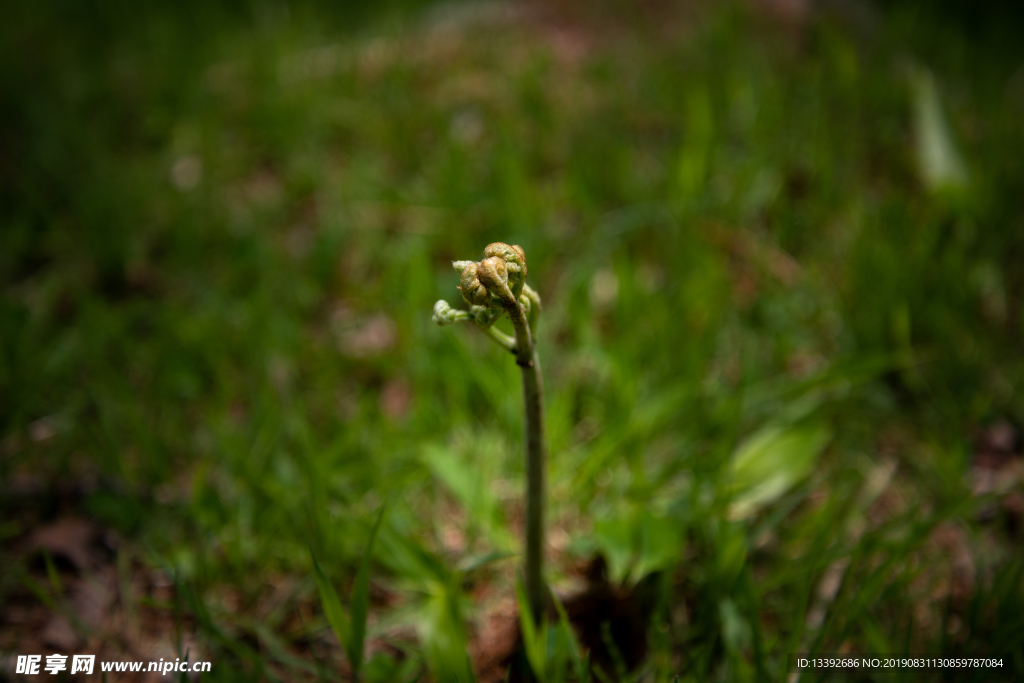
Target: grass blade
[[361, 602], [581, 666], [332, 605], [535, 640]]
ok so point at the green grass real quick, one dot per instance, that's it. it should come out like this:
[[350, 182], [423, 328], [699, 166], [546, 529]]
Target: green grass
[[224, 230]]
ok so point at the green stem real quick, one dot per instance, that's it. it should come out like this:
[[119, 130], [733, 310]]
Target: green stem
[[533, 400], [504, 341]]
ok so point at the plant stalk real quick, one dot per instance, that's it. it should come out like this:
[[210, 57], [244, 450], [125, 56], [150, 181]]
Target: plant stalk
[[533, 401]]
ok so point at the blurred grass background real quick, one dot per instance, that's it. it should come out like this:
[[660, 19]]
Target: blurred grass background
[[780, 247]]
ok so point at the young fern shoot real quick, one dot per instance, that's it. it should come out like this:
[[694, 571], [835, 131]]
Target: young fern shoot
[[493, 287]]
